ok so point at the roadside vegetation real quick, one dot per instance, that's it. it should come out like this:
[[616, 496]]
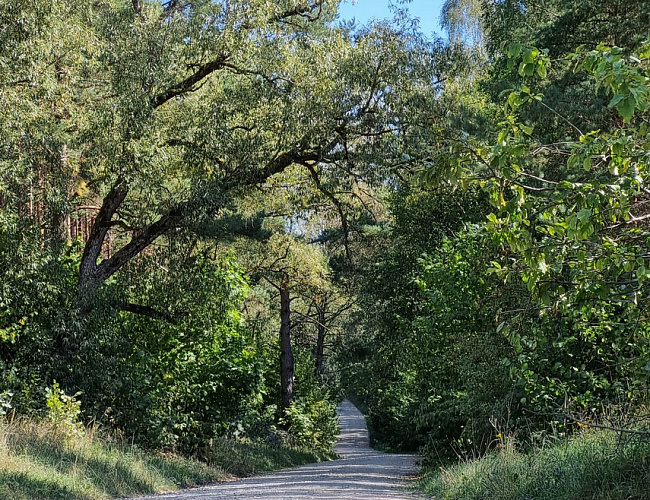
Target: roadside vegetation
[[508, 292], [598, 465], [216, 217], [45, 461], [56, 458]]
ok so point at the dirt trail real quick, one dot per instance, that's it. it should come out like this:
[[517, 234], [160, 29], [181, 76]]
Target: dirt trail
[[362, 473]]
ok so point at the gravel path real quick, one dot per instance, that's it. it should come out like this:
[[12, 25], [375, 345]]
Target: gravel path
[[362, 473]]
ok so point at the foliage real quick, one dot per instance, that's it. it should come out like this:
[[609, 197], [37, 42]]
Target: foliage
[[63, 411], [183, 380], [5, 402], [462, 19], [572, 215], [311, 420], [467, 385], [247, 459], [135, 135], [562, 26], [312, 423], [427, 375], [36, 291]]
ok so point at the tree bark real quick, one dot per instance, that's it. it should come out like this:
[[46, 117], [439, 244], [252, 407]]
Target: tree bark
[[88, 275], [286, 353], [320, 340], [92, 274]]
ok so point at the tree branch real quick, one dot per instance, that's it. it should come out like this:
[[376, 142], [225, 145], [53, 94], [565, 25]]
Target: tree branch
[[100, 228], [304, 11], [150, 312], [337, 204], [137, 8], [188, 85], [110, 266]]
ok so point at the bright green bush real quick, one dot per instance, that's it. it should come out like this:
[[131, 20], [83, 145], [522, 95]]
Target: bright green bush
[[63, 411], [312, 423], [181, 381]]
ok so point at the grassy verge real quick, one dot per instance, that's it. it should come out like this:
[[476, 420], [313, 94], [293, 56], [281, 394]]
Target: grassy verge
[[593, 465], [39, 461], [241, 460]]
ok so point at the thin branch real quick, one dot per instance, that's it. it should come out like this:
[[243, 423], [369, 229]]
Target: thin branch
[[562, 117], [540, 179], [337, 204], [633, 220], [87, 207], [304, 11]]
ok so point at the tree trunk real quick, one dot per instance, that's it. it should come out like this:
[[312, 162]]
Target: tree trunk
[[320, 340], [286, 353]]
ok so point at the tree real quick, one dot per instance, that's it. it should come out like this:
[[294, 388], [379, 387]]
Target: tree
[[289, 266], [462, 19], [171, 110], [572, 216]]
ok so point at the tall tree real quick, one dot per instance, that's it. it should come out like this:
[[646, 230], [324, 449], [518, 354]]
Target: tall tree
[[291, 267], [463, 21], [178, 107]]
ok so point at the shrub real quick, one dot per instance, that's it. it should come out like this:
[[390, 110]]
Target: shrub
[[312, 423]]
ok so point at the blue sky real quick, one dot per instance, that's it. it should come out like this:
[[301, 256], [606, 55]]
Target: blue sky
[[427, 10]]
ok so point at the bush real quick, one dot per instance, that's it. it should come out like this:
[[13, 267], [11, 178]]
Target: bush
[[63, 411], [312, 423]]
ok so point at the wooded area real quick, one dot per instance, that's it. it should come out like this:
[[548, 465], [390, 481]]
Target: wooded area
[[216, 217]]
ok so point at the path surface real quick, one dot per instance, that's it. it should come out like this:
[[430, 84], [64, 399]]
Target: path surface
[[362, 474]]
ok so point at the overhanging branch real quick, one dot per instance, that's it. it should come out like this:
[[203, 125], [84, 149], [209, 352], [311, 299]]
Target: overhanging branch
[[150, 312], [188, 85]]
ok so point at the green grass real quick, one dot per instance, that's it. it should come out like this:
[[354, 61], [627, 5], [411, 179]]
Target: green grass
[[243, 460], [590, 466], [38, 461]]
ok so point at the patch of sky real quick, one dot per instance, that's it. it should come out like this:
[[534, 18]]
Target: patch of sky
[[427, 11]]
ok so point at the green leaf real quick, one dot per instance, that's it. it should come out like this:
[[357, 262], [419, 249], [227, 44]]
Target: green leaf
[[526, 129], [529, 55], [615, 100], [526, 69], [584, 215], [514, 49], [641, 273], [626, 108], [514, 100]]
